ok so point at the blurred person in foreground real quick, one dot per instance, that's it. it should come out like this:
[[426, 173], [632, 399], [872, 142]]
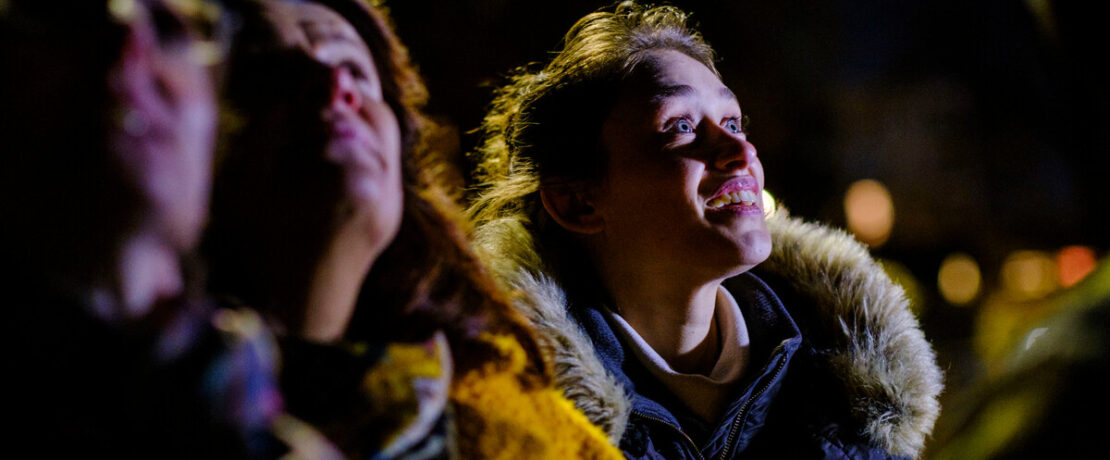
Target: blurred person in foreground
[[327, 217], [1051, 398], [621, 193], [110, 347]]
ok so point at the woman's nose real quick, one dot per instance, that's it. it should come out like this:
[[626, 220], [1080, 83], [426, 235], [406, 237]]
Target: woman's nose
[[343, 89], [732, 153]]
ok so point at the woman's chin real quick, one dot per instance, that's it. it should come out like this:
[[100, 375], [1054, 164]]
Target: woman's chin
[[377, 221], [751, 248]]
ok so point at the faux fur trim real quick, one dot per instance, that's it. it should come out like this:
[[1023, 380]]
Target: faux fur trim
[[509, 252], [881, 354]]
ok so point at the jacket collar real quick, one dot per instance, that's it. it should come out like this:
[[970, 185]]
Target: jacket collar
[[775, 338], [872, 341]]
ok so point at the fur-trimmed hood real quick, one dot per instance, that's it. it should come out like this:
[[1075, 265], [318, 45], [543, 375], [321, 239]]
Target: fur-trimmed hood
[[879, 351]]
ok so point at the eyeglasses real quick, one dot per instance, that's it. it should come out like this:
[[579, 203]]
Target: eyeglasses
[[198, 27]]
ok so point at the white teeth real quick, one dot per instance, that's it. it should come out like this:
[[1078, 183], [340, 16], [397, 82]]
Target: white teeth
[[746, 197]]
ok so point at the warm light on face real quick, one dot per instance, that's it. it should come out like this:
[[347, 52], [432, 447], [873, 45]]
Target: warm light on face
[[959, 279], [1029, 274], [675, 157], [869, 210]]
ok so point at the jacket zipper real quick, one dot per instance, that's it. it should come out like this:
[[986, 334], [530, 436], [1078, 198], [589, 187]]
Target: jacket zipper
[[733, 432], [677, 429]]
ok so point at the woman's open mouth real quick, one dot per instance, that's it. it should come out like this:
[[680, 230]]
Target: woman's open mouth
[[743, 197], [737, 194]]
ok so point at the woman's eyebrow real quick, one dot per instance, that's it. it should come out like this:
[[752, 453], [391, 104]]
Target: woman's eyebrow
[[316, 33], [665, 92], [727, 93]]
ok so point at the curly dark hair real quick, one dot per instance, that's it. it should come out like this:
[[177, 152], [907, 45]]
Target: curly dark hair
[[427, 279]]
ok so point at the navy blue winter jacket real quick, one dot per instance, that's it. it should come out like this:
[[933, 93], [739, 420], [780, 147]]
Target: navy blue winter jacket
[[839, 365], [787, 406]]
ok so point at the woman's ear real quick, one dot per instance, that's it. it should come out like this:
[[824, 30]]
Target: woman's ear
[[572, 207]]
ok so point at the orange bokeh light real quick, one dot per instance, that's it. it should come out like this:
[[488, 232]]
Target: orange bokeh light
[[1074, 263], [869, 210]]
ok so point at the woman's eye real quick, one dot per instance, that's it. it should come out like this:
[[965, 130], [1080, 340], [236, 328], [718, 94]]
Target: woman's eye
[[733, 126], [684, 126], [737, 125], [355, 71]]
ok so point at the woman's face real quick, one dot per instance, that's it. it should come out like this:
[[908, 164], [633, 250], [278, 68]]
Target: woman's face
[[165, 118], [683, 186], [363, 138]]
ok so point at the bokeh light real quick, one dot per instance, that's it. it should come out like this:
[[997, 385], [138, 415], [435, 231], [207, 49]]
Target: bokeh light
[[869, 210], [122, 10], [1074, 263], [769, 204], [1029, 274], [903, 276], [959, 279]]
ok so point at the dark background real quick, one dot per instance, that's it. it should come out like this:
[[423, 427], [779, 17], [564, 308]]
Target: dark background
[[987, 120]]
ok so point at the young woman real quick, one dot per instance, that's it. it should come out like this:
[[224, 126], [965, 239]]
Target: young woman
[[622, 195], [324, 216]]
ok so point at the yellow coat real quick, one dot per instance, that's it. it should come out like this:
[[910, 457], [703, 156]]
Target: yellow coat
[[497, 417]]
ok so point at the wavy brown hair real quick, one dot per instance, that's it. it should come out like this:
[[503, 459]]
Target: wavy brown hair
[[427, 279], [544, 126]]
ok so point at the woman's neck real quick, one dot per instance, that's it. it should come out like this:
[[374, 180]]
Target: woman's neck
[[145, 270], [676, 319], [333, 289]]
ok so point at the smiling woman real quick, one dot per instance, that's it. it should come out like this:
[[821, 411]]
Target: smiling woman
[[674, 146], [645, 229]]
